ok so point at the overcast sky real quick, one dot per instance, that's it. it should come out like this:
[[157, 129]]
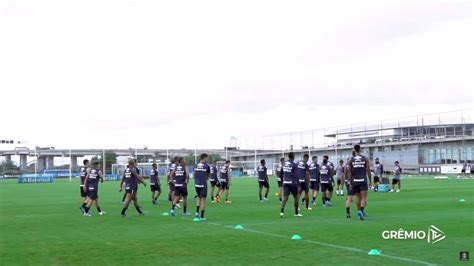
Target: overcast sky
[[194, 73]]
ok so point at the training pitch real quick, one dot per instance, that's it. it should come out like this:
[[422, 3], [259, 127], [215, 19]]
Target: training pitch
[[41, 225]]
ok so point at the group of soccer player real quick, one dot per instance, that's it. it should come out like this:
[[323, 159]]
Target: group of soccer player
[[298, 178], [293, 178]]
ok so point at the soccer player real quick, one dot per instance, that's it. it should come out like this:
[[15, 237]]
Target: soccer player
[[131, 179], [359, 168], [225, 183], [378, 172], [325, 173], [339, 174], [201, 175], [290, 185], [214, 180], [397, 170], [155, 185], [138, 172], [350, 193], [302, 174], [314, 178], [83, 174], [91, 184], [170, 178], [263, 181], [180, 179], [279, 174], [331, 165]]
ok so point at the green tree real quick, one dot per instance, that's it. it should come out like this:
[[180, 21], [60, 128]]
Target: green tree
[[110, 158]]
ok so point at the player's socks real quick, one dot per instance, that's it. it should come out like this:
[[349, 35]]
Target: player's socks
[[266, 194], [123, 211], [98, 209], [314, 199], [279, 199], [307, 204], [260, 196], [185, 208], [362, 209], [197, 210], [138, 210], [202, 214]]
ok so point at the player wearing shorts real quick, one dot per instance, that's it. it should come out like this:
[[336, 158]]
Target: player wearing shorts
[[83, 174], [279, 174], [378, 172], [314, 178], [169, 179], [359, 171], [130, 179], [180, 179], [201, 175], [325, 175], [214, 180], [225, 183], [302, 174], [155, 185], [350, 193], [397, 170], [339, 173], [263, 181], [330, 164], [290, 185], [91, 185]]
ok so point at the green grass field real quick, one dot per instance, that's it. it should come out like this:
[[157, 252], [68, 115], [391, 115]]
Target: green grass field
[[41, 225]]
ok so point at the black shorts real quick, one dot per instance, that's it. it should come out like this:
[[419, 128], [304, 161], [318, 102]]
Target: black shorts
[[201, 192], [314, 185], [339, 182], [326, 187], [290, 189], [304, 186], [92, 194], [225, 185], [180, 191], [131, 190], [395, 181], [83, 193], [263, 184], [376, 179], [359, 187], [215, 183], [155, 187], [280, 183]]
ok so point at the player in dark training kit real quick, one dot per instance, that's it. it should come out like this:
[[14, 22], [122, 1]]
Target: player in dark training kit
[[397, 170], [290, 185], [359, 168], [263, 181], [279, 174], [155, 185], [169, 179], [131, 178], [314, 178], [339, 174], [83, 174], [225, 183], [302, 174], [214, 180], [378, 172], [201, 175], [91, 184], [325, 175], [350, 193], [180, 180]]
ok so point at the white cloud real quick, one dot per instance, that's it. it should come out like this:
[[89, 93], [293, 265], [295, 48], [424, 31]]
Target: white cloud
[[126, 73]]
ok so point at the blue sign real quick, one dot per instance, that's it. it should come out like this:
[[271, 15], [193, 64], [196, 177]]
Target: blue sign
[[39, 178]]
